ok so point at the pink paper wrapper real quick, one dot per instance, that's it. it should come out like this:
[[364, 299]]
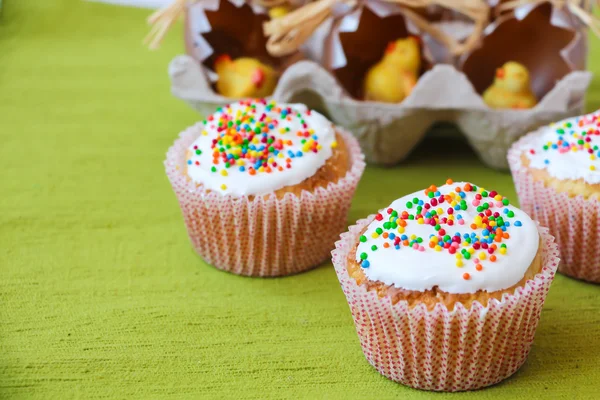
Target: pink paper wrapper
[[574, 221], [442, 350], [261, 237]]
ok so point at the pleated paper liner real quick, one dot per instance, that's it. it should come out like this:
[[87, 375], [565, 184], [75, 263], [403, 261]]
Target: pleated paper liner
[[574, 221], [259, 237], [442, 350]]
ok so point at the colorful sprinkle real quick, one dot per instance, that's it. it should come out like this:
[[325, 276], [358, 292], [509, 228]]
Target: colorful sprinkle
[[573, 136], [254, 142], [486, 241]]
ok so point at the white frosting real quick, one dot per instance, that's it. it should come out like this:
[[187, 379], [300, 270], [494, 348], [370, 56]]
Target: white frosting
[[558, 150], [423, 268], [288, 167]]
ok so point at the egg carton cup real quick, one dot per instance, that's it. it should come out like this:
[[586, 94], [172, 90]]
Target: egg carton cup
[[263, 236], [574, 221], [388, 132], [442, 350]]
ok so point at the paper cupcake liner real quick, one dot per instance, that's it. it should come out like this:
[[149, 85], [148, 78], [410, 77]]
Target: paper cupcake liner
[[442, 350], [261, 237], [574, 221]]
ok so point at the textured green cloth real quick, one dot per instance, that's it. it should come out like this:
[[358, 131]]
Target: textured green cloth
[[101, 295]]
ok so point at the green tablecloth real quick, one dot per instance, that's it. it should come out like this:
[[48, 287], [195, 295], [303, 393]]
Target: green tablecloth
[[101, 295]]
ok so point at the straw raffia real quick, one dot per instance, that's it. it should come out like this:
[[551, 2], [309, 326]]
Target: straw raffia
[[162, 20], [287, 33]]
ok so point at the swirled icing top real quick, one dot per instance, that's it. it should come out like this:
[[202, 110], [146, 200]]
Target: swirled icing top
[[458, 237], [569, 149], [255, 147]]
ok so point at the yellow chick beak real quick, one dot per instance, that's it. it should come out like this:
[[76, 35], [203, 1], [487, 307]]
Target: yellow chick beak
[[258, 78]]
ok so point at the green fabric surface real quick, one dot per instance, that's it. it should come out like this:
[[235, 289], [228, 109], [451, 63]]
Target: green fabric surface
[[101, 294]]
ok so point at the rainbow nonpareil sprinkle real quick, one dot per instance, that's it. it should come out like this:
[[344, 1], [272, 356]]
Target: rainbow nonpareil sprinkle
[[256, 142], [576, 135], [487, 216]]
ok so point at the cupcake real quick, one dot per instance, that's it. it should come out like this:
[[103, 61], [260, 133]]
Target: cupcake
[[264, 188], [556, 171], [446, 286]]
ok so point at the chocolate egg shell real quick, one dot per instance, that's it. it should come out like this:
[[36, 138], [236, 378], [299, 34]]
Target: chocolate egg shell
[[366, 46], [237, 32], [533, 42]]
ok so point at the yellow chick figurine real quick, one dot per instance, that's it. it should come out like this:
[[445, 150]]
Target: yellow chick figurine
[[244, 77], [393, 78], [511, 88]]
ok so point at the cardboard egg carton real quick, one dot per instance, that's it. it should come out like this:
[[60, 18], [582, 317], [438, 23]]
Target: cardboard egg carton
[[449, 90]]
